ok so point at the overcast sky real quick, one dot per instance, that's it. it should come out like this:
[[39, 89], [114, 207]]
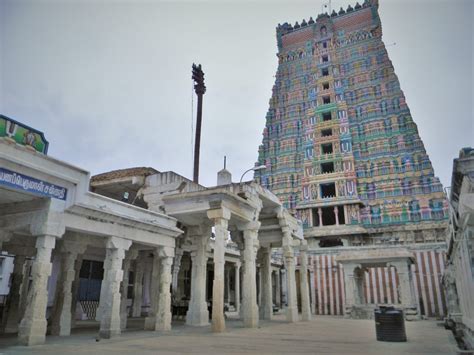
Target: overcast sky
[[109, 82]]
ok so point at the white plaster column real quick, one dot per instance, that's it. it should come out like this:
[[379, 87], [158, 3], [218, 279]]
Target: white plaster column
[[198, 313], [130, 255], [61, 316], [237, 287], [304, 289], [249, 289], [13, 302], [138, 288], [220, 217], [109, 304], [266, 306], [163, 302], [32, 329]]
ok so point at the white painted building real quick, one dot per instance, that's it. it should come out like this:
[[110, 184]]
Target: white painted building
[[79, 254], [459, 275], [48, 215]]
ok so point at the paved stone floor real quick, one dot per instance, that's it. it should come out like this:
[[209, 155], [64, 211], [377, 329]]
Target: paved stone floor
[[322, 335]]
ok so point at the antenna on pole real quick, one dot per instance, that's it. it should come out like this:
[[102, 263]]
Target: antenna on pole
[[225, 161]]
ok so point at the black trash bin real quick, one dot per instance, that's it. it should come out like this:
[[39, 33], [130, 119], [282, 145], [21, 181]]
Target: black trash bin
[[390, 324]]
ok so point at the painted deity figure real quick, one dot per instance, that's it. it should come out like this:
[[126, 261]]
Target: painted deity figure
[[11, 128], [29, 138]]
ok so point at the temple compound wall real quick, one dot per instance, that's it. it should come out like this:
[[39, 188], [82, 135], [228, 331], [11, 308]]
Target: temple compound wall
[[343, 153], [458, 278]]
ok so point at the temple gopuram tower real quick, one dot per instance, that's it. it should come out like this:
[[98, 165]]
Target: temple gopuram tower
[[344, 154]]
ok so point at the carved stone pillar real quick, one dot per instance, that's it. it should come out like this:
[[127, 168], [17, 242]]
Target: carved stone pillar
[[32, 329], [284, 288], [320, 214], [350, 287], [336, 215], [312, 288], [61, 318], [266, 307], [163, 319], [304, 289], [110, 298], [13, 302], [138, 288], [150, 320], [132, 254], [407, 291], [278, 288], [237, 287], [198, 313], [75, 288], [292, 309], [227, 284], [249, 289], [176, 267], [220, 217]]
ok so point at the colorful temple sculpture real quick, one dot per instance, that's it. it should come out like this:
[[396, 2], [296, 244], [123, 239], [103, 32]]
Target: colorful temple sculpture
[[344, 155]]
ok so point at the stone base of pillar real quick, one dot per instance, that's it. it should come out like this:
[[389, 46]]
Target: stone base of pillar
[[411, 314], [306, 316], [198, 318], [109, 333], [251, 321], [266, 313], [348, 312], [150, 323], [292, 314], [32, 334]]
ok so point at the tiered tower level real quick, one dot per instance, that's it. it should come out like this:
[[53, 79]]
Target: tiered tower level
[[340, 145]]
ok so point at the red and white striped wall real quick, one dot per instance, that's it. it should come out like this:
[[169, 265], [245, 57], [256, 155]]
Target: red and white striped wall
[[380, 283]]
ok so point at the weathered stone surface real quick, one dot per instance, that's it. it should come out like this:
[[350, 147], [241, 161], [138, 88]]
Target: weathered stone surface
[[249, 291], [305, 303], [110, 298], [13, 311], [266, 307], [61, 319], [197, 313], [220, 218], [32, 329]]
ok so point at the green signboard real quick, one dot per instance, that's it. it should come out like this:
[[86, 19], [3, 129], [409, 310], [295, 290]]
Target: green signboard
[[23, 134]]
